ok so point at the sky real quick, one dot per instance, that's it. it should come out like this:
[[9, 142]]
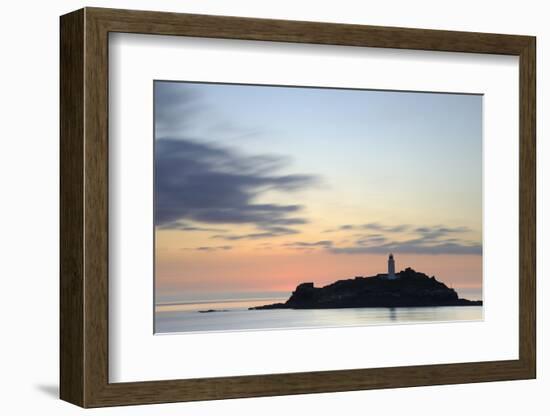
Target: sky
[[260, 188]]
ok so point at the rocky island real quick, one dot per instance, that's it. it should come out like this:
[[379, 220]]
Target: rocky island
[[407, 288]]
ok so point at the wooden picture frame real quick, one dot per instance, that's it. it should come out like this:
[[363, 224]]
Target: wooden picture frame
[[84, 207]]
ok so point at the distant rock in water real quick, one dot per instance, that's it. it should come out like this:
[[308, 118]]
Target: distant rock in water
[[213, 310], [409, 289]]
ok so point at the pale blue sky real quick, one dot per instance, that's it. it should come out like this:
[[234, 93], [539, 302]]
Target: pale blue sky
[[355, 140]]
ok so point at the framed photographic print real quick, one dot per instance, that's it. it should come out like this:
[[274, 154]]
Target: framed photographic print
[[255, 207]]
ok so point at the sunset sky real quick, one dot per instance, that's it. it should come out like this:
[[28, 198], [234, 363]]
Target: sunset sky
[[260, 188]]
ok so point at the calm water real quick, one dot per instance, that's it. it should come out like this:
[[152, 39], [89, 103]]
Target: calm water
[[235, 316]]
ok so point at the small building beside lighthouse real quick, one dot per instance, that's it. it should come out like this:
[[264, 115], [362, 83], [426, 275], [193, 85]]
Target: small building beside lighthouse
[[391, 268]]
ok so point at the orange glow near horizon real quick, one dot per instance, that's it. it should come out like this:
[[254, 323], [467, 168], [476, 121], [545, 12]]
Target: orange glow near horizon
[[282, 270]]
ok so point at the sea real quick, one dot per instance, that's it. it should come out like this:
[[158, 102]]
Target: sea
[[232, 314]]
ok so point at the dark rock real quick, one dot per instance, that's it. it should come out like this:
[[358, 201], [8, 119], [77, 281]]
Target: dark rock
[[213, 310], [411, 289]]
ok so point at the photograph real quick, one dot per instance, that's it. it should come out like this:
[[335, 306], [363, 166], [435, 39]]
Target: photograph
[[281, 207]]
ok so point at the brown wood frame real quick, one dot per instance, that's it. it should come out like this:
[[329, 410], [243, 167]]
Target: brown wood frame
[[84, 208]]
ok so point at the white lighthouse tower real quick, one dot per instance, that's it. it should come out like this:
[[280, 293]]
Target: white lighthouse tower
[[391, 268]]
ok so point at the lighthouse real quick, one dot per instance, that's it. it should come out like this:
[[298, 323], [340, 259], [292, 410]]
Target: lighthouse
[[391, 268]]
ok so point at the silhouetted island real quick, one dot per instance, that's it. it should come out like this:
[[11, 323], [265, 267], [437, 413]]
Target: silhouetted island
[[407, 288]]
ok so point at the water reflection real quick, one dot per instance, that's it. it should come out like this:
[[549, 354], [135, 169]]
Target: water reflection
[[240, 319]]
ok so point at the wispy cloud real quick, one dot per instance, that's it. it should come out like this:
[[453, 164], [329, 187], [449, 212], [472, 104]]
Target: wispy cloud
[[305, 244], [200, 185], [433, 240], [407, 247], [182, 226], [386, 228], [209, 184], [370, 239], [210, 248], [374, 226], [174, 108], [439, 231], [267, 232]]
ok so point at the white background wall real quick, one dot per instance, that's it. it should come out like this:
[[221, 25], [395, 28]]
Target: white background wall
[[29, 150]]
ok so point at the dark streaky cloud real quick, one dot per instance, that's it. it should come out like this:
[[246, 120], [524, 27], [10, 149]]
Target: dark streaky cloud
[[210, 184]]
